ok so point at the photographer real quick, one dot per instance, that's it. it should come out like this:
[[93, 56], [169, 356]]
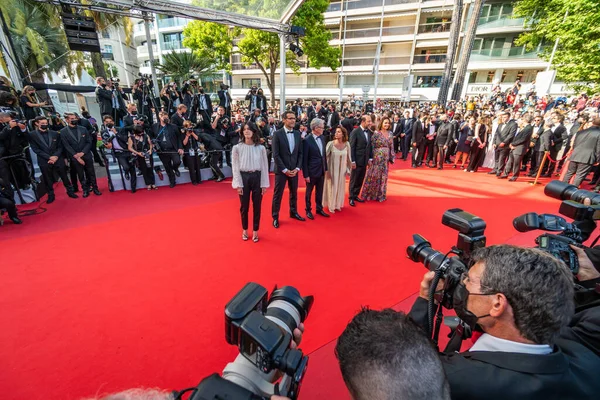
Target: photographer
[[221, 127], [190, 153], [521, 298], [254, 100], [141, 92], [205, 108], [46, 144], [180, 116], [117, 140], [104, 97], [7, 202], [13, 142], [225, 99], [167, 140], [94, 135], [214, 149], [170, 98], [140, 146]]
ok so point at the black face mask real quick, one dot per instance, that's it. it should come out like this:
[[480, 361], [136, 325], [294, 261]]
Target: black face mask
[[166, 120], [43, 127], [134, 113], [110, 126], [74, 122], [459, 302]]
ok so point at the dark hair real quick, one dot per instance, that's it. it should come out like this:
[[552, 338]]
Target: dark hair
[[107, 117], [255, 132], [381, 123], [385, 355], [138, 129], [286, 113], [39, 118], [344, 133], [538, 287], [7, 97]]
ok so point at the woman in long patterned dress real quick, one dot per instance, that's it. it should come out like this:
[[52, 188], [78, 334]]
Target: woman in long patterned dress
[[339, 164], [375, 187]]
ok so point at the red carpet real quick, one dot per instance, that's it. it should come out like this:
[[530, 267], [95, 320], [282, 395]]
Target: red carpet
[[123, 290]]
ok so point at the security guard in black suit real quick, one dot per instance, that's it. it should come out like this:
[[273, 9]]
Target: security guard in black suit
[[78, 145], [47, 145], [167, 140]]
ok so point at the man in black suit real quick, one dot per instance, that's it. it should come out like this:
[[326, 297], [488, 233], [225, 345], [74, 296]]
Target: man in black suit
[[586, 153], [168, 143], [505, 132], [78, 144], [287, 153], [314, 166], [46, 144], [534, 145], [205, 108], [180, 116], [518, 147], [406, 135], [348, 122], [333, 119], [558, 136], [418, 141], [298, 109], [104, 97], [430, 140], [116, 140], [362, 155], [215, 149], [442, 141], [396, 132], [225, 99], [523, 300]]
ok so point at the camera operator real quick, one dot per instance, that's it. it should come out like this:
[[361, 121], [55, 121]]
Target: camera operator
[[180, 116], [140, 146], [221, 127], [189, 98], [586, 153], [520, 298], [225, 99], [205, 108], [236, 131], [170, 97], [215, 150], [167, 139], [190, 152], [141, 93], [7, 202], [78, 144], [118, 104], [117, 140], [254, 100], [104, 97], [13, 139], [46, 144]]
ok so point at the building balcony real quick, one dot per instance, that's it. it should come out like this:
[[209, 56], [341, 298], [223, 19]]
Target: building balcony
[[370, 61], [499, 21], [374, 32], [172, 22], [140, 30], [509, 53], [172, 45], [436, 27], [357, 4], [142, 51], [108, 56], [429, 58]]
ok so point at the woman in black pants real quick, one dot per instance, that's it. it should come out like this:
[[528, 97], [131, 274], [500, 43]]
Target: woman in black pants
[[190, 152], [250, 171], [140, 146], [479, 144]]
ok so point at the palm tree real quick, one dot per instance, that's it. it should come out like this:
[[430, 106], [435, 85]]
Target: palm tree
[[179, 66]]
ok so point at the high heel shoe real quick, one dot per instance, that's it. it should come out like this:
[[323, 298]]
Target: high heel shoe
[[255, 238], [244, 236]]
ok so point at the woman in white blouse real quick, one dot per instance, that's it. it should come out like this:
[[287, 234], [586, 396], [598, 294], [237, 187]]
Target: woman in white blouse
[[250, 170]]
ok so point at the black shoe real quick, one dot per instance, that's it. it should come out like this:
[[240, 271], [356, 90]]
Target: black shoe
[[351, 202], [133, 190], [72, 195], [413, 166], [297, 216], [323, 213], [101, 163], [492, 172], [195, 183], [172, 184], [514, 178], [276, 223], [221, 179], [359, 200], [309, 215], [440, 167], [75, 189], [177, 173], [127, 176], [502, 176], [97, 192], [16, 220], [51, 198], [139, 173], [86, 193]]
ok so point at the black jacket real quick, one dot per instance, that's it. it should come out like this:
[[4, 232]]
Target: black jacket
[[335, 120], [418, 132], [172, 133], [43, 150], [521, 140], [569, 372], [586, 148], [536, 141], [76, 140], [314, 163], [223, 94], [348, 123], [559, 135], [284, 159], [176, 119], [444, 134], [210, 143], [505, 133], [361, 148], [104, 99]]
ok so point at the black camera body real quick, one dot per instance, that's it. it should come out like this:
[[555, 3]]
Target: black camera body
[[559, 247]]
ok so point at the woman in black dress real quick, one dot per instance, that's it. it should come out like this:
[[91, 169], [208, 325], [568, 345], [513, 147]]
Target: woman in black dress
[[465, 139], [480, 141], [139, 145], [29, 104]]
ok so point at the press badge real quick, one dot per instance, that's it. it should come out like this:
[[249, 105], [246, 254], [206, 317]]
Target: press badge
[[222, 132], [192, 153]]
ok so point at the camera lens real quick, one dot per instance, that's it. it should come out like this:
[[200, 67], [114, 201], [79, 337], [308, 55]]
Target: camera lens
[[288, 309], [421, 251]]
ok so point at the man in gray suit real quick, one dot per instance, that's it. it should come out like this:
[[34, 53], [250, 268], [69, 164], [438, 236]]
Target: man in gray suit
[[518, 147], [504, 135], [586, 153]]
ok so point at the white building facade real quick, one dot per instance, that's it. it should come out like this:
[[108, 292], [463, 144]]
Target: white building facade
[[120, 53]]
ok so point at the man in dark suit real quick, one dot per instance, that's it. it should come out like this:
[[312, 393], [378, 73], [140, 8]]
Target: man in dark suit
[[205, 108], [287, 153], [168, 143], [104, 97], [314, 166], [215, 150], [348, 122], [333, 119], [116, 140], [298, 109], [442, 141], [518, 147], [78, 144], [559, 135], [586, 153], [534, 145], [396, 132], [46, 144], [180, 116], [362, 155], [505, 132], [406, 135], [523, 300], [225, 99], [418, 141]]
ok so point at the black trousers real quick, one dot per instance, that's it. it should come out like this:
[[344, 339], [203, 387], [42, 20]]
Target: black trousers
[[147, 171], [214, 164], [6, 177], [48, 171], [396, 144], [539, 156], [10, 207], [193, 165], [501, 157], [580, 170], [451, 150], [418, 153], [280, 181], [533, 162], [527, 158], [429, 147], [251, 182], [73, 174], [514, 164], [407, 143], [552, 165], [123, 157], [317, 184], [86, 173], [171, 161], [475, 157], [439, 155], [357, 177]]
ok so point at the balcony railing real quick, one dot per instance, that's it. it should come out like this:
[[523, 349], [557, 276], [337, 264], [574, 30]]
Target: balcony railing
[[173, 45], [143, 50], [374, 32], [107, 56], [508, 52], [436, 27], [356, 4], [358, 61], [499, 21], [169, 22], [139, 28], [429, 58]]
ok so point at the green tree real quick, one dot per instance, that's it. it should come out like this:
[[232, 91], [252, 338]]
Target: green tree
[[577, 58], [260, 48], [180, 65], [111, 70]]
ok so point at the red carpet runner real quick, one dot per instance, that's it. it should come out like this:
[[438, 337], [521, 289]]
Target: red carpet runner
[[124, 290]]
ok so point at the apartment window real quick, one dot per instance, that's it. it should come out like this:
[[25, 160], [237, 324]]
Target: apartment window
[[427, 81], [108, 48], [105, 35], [66, 97], [473, 77], [490, 76], [172, 37], [248, 83]]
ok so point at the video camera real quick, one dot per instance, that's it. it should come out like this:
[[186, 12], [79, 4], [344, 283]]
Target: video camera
[[573, 206], [262, 328]]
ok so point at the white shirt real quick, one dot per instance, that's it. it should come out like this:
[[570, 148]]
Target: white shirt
[[366, 135], [291, 139], [319, 143], [491, 343], [249, 158]]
